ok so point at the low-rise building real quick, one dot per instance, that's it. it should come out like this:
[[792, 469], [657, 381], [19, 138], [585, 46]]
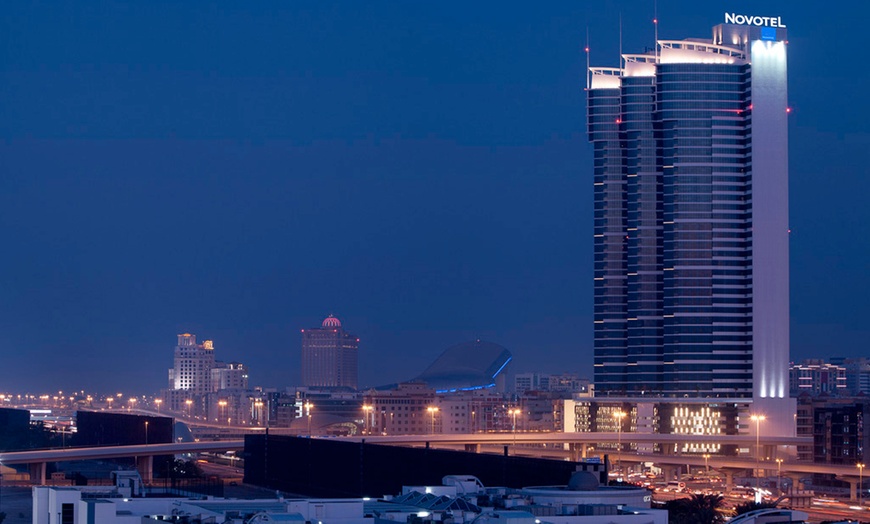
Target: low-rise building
[[461, 499]]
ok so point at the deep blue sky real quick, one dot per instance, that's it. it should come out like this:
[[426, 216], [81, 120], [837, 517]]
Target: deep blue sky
[[419, 169]]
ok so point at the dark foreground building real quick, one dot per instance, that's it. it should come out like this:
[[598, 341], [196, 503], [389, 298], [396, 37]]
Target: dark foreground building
[[328, 468], [98, 428], [14, 429]]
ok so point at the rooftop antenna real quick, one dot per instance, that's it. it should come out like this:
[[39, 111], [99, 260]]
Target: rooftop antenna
[[656, 26], [587, 58], [620, 43]]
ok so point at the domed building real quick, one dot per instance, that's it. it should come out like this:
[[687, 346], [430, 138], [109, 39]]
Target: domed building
[[476, 364], [330, 356]]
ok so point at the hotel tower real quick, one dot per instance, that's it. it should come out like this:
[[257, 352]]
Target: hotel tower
[[691, 221]]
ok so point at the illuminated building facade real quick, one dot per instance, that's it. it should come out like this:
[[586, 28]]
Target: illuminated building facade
[[229, 375], [329, 356], [815, 376], [192, 365], [691, 220]]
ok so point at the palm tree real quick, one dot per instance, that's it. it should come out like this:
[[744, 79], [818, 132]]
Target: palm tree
[[698, 509]]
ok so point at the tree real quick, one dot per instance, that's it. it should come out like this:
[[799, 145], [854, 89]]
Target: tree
[[698, 509], [185, 469]]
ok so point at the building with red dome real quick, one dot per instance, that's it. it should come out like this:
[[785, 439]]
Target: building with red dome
[[330, 356]]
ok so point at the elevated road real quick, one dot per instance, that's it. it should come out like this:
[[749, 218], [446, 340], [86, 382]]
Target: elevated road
[[578, 438], [143, 454], [109, 452]]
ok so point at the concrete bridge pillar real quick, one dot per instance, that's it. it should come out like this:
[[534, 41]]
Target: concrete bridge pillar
[[37, 473], [853, 485], [472, 448], [577, 451], [145, 465], [729, 476], [796, 481]]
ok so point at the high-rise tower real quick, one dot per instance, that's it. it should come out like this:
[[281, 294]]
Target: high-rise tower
[[329, 356], [192, 365], [691, 217]]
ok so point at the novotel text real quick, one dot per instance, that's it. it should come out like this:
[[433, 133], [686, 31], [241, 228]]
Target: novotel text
[[761, 21]]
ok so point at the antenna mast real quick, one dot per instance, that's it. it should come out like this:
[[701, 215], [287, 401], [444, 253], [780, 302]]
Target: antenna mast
[[656, 26], [587, 58], [620, 43]]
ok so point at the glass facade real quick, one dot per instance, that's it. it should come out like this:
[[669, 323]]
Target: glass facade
[[673, 231]]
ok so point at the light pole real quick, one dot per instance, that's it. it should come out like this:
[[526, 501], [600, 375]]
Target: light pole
[[707, 464], [258, 411], [779, 475], [131, 402], [860, 467], [367, 410], [513, 413], [432, 410], [146, 432], [223, 405], [158, 401], [618, 416], [308, 405], [189, 403], [758, 419]]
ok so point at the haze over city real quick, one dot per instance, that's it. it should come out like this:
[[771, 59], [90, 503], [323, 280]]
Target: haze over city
[[420, 171]]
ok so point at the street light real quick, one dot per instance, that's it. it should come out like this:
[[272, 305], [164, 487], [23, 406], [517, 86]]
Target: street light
[[258, 411], [432, 410], [618, 416], [367, 410], [513, 413], [158, 401], [308, 405], [758, 419], [223, 406], [146, 432], [779, 475], [707, 463], [131, 402], [189, 403], [860, 467]]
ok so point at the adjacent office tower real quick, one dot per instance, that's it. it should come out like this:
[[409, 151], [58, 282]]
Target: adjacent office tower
[[691, 218], [192, 365], [329, 356]]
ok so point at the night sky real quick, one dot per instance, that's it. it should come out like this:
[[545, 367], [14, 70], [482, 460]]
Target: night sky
[[418, 169]]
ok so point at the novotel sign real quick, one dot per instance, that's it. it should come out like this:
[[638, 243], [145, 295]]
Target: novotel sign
[[760, 21]]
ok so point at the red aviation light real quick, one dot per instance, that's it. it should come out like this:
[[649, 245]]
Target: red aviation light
[[618, 121], [788, 110]]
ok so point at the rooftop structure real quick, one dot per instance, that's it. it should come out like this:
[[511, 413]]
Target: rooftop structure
[[461, 498], [469, 365]]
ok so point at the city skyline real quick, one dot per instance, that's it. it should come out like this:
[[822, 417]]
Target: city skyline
[[421, 173]]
